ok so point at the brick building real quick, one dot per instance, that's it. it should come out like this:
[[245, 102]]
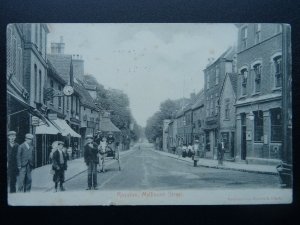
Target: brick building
[[214, 75], [259, 87]]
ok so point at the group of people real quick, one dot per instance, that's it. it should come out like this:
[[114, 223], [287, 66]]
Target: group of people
[[20, 160], [197, 150]]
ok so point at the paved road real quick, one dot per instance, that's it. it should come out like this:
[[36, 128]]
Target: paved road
[[147, 169]]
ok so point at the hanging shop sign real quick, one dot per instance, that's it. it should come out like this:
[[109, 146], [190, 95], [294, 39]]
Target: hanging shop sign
[[35, 121]]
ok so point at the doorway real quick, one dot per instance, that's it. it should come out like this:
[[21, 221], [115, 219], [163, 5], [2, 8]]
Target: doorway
[[243, 136]]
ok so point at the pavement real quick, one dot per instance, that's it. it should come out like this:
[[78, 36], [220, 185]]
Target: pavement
[[254, 168], [42, 178]]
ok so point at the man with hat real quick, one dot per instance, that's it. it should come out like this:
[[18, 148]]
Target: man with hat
[[59, 164], [91, 159], [25, 161], [12, 168]]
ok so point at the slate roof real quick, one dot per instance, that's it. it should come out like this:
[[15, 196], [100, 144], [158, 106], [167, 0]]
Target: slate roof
[[199, 100], [61, 63], [54, 73], [233, 78], [228, 54]]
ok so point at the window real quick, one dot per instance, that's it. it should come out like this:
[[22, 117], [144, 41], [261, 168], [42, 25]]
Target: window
[[217, 75], [257, 79], [59, 98], [14, 55], [35, 83], [216, 105], [276, 125], [257, 33], [9, 48], [40, 86], [244, 37], [41, 38], [227, 110], [20, 66], [207, 106], [278, 73], [258, 126], [244, 74]]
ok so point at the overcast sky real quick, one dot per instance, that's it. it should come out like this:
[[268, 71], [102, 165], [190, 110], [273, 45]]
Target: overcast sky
[[149, 62]]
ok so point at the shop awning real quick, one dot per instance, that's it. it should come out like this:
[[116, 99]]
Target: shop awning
[[44, 129], [107, 126], [64, 128], [31, 109]]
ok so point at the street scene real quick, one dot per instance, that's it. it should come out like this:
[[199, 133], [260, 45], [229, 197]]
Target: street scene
[[118, 114]]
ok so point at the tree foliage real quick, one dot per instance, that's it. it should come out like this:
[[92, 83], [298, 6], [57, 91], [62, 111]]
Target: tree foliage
[[154, 126]]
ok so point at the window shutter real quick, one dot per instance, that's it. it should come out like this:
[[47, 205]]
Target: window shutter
[[272, 71]]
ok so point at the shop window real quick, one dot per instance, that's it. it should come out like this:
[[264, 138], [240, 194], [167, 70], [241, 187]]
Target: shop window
[[276, 125], [258, 126]]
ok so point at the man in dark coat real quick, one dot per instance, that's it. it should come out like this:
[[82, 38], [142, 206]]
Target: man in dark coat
[[91, 159], [12, 168], [59, 165], [25, 161], [220, 151]]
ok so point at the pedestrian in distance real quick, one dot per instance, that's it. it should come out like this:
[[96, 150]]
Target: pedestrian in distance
[[25, 161], [59, 165], [102, 149], [91, 158], [12, 168], [190, 150], [196, 152], [184, 151], [220, 151]]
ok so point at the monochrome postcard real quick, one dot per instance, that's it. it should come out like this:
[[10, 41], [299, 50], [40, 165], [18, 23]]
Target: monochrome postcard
[[149, 114]]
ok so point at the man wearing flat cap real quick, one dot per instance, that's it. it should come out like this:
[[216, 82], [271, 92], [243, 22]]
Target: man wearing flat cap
[[25, 161], [12, 168], [59, 165], [91, 159]]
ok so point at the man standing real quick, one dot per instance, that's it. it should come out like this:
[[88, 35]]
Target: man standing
[[12, 168], [59, 165], [25, 160], [220, 151], [91, 160]]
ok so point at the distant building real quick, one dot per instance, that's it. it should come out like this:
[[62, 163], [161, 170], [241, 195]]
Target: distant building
[[259, 93]]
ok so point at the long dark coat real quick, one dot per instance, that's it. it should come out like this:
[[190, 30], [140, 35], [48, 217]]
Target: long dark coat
[[90, 154], [56, 162], [12, 152]]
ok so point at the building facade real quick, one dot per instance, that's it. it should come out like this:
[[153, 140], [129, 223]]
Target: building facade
[[259, 92], [198, 118], [228, 115], [214, 75]]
